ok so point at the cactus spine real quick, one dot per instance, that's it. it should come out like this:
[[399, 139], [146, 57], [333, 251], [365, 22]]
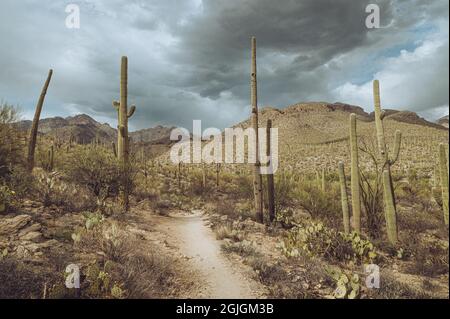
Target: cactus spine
[[35, 125], [258, 191], [270, 182], [388, 188], [443, 165], [122, 141], [344, 198], [356, 192]]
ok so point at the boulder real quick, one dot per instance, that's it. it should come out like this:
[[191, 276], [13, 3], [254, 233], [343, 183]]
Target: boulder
[[33, 228], [13, 225], [33, 236]]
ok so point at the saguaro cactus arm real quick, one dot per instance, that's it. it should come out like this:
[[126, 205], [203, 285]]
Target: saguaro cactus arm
[[379, 116], [131, 111], [397, 145]]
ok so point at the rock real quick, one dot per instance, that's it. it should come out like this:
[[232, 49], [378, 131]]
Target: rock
[[250, 224], [33, 236], [12, 225], [22, 252], [33, 228], [302, 214]]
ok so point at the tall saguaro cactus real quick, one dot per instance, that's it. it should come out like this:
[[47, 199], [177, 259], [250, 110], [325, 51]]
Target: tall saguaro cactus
[[388, 188], [270, 182], [258, 191], [356, 191], [123, 142], [35, 125], [443, 167], [344, 198]]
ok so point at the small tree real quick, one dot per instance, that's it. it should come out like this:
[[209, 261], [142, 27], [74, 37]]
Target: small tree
[[9, 139], [97, 169], [372, 189]]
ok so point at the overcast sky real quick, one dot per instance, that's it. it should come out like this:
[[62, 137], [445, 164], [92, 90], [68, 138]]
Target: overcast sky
[[190, 59]]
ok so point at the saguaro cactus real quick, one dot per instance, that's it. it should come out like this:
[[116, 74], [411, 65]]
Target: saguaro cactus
[[35, 125], [258, 191], [443, 167], [123, 141], [217, 174], [388, 188], [270, 182], [113, 147], [356, 192], [344, 198], [51, 157], [323, 183]]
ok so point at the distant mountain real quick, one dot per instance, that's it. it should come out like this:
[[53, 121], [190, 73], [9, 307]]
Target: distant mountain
[[443, 121], [154, 135], [83, 129], [410, 118], [320, 122]]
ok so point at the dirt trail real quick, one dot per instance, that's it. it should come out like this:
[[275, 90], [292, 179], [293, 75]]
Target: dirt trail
[[220, 278]]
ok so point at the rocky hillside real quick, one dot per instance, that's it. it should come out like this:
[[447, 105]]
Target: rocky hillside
[[443, 121], [83, 129], [315, 135]]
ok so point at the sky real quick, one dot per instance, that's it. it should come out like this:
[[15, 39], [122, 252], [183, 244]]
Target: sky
[[190, 59]]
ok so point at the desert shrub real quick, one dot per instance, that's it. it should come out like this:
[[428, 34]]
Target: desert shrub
[[243, 248], [97, 169], [244, 184], [22, 182], [6, 197], [315, 239], [415, 190], [372, 201], [227, 231], [285, 192], [10, 149], [130, 272], [392, 288], [430, 255], [52, 190], [20, 281], [319, 204]]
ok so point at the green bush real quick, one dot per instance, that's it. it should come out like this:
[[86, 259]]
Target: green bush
[[95, 168], [10, 146], [315, 239], [323, 205], [6, 196]]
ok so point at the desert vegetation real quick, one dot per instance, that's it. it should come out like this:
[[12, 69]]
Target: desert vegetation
[[352, 190]]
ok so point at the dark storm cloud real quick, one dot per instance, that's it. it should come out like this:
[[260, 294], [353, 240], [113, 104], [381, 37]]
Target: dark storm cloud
[[189, 59]]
